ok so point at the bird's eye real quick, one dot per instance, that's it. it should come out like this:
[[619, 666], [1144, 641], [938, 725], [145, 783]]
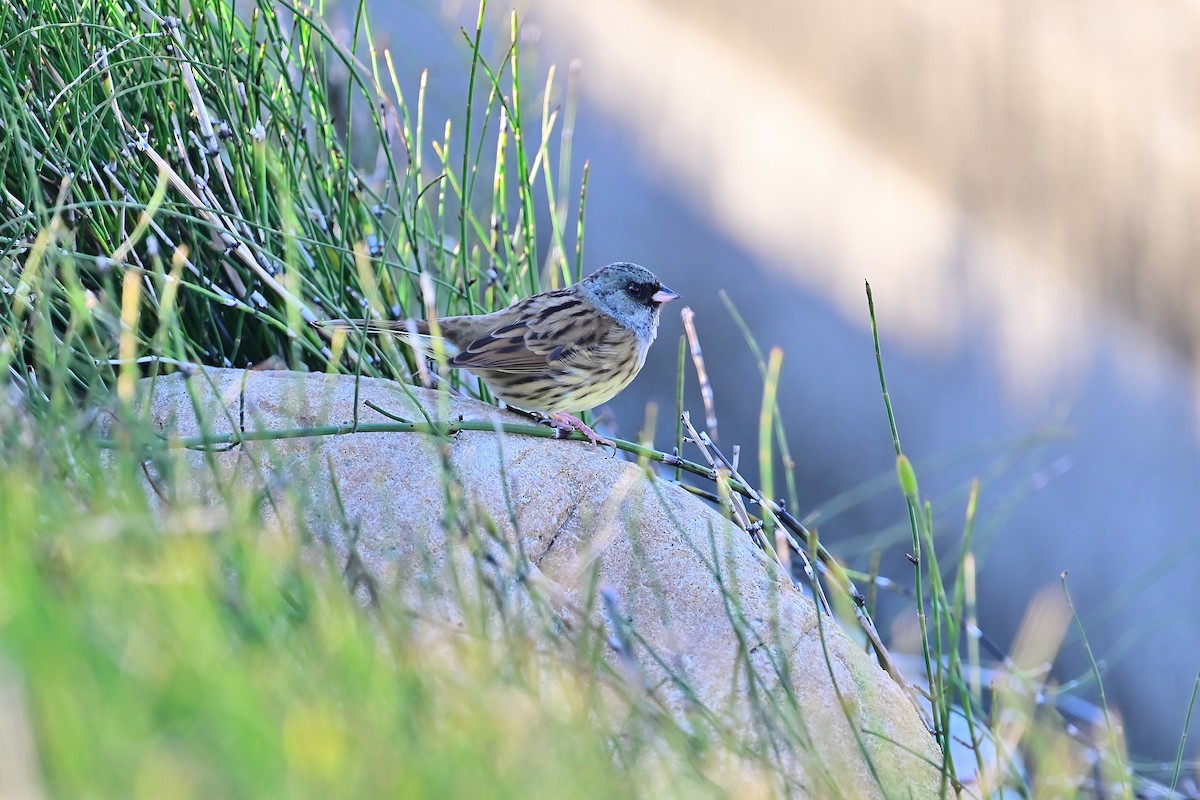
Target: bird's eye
[[642, 292]]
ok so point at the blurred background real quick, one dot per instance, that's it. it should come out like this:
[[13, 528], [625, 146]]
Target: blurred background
[[1019, 182]]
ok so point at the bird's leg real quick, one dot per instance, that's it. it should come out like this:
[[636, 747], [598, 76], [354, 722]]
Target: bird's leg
[[562, 421]]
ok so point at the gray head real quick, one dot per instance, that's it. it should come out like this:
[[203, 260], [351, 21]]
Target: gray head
[[630, 294]]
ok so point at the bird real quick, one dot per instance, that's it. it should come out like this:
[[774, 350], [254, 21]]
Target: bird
[[557, 352]]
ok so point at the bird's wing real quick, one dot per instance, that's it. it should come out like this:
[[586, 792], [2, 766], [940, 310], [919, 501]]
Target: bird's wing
[[555, 329]]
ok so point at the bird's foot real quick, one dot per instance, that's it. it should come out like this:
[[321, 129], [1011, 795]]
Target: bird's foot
[[561, 421]]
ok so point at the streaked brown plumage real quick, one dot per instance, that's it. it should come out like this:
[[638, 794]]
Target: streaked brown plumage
[[558, 352]]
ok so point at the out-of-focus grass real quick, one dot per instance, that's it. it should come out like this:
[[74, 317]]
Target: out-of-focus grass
[[193, 654]]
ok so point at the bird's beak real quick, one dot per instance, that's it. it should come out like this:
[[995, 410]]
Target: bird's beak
[[664, 295]]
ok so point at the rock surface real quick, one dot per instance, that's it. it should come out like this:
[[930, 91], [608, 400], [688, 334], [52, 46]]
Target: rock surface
[[574, 521]]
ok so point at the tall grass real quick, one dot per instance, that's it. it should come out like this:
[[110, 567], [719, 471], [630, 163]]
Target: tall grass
[[205, 152], [214, 661]]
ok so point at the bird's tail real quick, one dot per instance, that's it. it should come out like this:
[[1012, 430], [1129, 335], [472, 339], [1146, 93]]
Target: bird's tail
[[414, 333], [397, 326]]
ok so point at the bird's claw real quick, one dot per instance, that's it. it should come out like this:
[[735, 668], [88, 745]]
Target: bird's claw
[[563, 422]]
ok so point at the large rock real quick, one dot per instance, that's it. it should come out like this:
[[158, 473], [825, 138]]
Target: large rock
[[569, 521]]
